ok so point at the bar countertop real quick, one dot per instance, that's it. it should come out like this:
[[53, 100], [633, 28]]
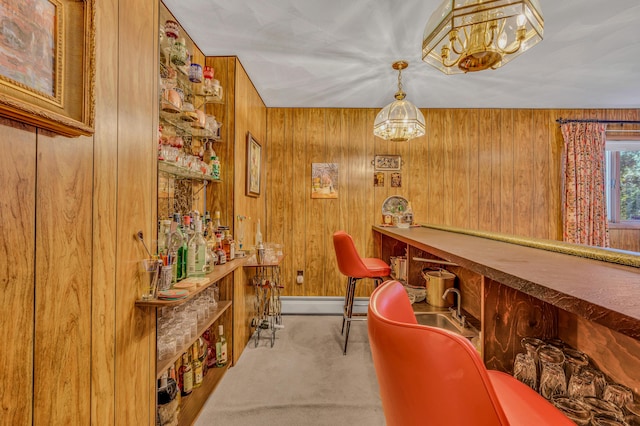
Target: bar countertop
[[605, 293]]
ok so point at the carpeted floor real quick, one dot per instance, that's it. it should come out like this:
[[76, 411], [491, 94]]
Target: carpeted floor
[[303, 380]]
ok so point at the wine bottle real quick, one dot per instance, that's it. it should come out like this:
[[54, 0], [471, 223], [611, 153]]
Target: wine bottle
[[185, 376], [221, 348]]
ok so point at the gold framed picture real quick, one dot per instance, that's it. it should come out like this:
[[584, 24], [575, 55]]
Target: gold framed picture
[[387, 162], [254, 166], [47, 64]]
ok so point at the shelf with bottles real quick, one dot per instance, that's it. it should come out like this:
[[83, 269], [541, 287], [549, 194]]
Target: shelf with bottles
[[179, 124], [219, 272], [166, 360], [184, 172], [190, 406]]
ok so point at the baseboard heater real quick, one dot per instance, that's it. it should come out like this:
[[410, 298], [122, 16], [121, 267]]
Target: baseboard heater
[[319, 305]]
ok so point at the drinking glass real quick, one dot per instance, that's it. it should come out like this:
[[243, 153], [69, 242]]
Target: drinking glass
[[574, 362], [632, 413], [524, 369], [582, 384], [150, 269], [605, 420], [617, 394], [552, 379], [601, 407], [574, 409]]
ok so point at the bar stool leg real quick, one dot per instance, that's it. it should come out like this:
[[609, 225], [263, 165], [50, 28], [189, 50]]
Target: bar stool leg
[[347, 316]]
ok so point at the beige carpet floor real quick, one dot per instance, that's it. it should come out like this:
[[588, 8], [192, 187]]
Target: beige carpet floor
[[304, 379]]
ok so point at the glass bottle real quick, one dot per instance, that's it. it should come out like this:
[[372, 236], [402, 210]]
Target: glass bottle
[[178, 249], [185, 376], [196, 365], [196, 252], [221, 348]]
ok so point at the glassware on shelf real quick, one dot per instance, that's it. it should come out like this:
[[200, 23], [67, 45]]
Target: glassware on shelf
[[524, 369], [552, 378], [150, 270], [582, 384], [179, 53], [195, 73], [601, 407], [574, 409], [618, 394], [575, 361]]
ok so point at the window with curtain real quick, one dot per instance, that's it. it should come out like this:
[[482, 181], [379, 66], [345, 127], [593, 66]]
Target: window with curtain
[[622, 159]]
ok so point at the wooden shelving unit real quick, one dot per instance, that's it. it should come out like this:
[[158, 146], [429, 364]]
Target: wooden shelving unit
[[191, 405], [164, 364]]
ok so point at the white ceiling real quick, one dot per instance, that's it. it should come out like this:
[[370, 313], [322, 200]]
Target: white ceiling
[[338, 53]]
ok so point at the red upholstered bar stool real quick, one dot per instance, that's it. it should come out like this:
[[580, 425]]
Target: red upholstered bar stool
[[355, 268], [430, 376]]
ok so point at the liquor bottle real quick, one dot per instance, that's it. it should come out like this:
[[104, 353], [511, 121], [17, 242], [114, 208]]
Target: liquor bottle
[[227, 244], [196, 252], [179, 240], [196, 365], [185, 376], [221, 348], [175, 242], [211, 348]]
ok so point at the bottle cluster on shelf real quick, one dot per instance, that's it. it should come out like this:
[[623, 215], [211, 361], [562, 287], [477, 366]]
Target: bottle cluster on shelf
[[190, 247], [190, 369]]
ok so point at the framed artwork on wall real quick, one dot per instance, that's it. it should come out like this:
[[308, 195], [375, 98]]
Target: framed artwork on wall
[[324, 180], [387, 162], [254, 166], [47, 64]]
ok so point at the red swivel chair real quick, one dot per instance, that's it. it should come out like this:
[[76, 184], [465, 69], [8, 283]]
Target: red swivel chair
[[431, 376], [355, 268]]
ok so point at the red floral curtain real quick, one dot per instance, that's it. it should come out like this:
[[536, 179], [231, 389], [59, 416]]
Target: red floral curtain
[[585, 205]]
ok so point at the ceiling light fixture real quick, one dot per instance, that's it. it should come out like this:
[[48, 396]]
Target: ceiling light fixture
[[400, 120], [478, 34]]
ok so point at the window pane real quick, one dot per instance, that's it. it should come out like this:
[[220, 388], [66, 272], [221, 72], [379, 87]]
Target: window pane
[[630, 185]]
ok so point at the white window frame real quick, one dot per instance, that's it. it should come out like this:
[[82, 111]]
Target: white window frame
[[612, 176]]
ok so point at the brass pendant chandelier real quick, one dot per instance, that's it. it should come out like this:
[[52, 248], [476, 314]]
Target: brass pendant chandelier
[[475, 35], [400, 120]]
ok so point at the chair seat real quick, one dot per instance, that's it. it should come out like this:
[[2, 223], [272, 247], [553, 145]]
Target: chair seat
[[377, 268], [522, 405]]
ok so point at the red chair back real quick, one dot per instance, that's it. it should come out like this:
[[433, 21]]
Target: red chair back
[[350, 263], [425, 374]]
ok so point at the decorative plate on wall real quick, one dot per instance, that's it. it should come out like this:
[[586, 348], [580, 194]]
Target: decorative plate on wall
[[391, 204]]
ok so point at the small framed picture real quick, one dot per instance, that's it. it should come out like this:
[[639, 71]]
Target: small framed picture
[[396, 180], [378, 179], [254, 166], [387, 162]]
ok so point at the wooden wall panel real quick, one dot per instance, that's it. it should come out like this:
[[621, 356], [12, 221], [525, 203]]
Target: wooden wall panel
[[136, 209], [17, 274], [491, 170], [514, 315], [335, 213], [103, 298], [249, 115], [63, 292], [314, 215]]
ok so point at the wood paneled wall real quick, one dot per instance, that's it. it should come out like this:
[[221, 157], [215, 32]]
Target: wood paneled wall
[[486, 169], [76, 350]]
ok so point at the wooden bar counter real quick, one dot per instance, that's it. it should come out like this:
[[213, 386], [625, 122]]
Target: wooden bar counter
[[516, 291]]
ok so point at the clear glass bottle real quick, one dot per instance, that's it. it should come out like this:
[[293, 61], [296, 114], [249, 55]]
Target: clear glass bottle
[[196, 252], [221, 348]]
